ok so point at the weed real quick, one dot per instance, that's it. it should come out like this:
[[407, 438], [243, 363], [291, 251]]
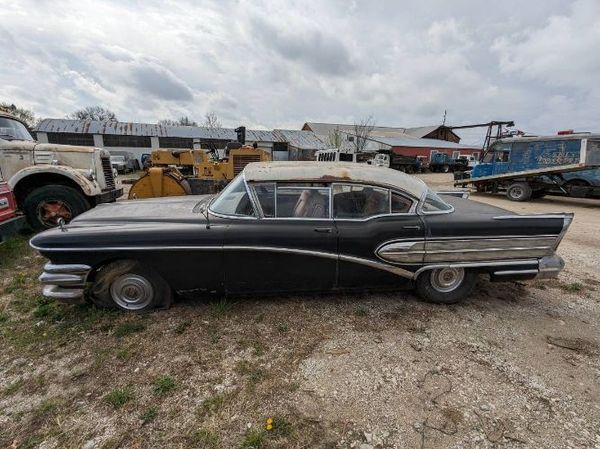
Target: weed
[[119, 396], [182, 327], [128, 328], [283, 328], [31, 442], [149, 415], [3, 317], [220, 308], [211, 405], [539, 285], [254, 439], [253, 373], [204, 439], [123, 354], [281, 426], [13, 388], [47, 308], [361, 311], [164, 385], [18, 282], [573, 287]]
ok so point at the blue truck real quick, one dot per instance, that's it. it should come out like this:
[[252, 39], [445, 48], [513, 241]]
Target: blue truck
[[531, 167]]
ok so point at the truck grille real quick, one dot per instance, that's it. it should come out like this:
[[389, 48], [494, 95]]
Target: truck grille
[[108, 173], [239, 162]]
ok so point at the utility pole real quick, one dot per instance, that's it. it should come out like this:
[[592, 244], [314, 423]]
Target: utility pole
[[444, 120]]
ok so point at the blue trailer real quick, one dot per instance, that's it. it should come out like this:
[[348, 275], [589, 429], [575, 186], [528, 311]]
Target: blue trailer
[[531, 167]]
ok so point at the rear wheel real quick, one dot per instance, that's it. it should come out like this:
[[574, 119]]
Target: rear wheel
[[519, 191], [45, 205], [127, 285], [446, 285]]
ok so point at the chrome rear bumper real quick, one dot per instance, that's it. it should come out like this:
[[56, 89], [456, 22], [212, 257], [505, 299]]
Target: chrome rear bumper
[[64, 282], [547, 267]]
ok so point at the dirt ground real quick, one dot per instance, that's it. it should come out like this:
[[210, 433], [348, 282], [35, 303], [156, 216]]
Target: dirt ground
[[517, 365]]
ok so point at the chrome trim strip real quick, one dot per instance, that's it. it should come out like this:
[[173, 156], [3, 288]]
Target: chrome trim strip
[[548, 215], [568, 219], [67, 268], [63, 279], [482, 264], [511, 272], [56, 292]]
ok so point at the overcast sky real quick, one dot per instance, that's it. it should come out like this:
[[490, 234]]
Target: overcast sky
[[278, 64]]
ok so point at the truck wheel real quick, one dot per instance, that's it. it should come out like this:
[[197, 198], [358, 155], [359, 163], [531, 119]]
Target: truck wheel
[[129, 286], [45, 205], [519, 191], [446, 285]]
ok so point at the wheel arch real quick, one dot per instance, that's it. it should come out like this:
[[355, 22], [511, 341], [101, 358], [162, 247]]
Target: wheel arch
[[29, 179]]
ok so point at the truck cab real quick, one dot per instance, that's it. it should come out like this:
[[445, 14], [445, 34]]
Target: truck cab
[[52, 182]]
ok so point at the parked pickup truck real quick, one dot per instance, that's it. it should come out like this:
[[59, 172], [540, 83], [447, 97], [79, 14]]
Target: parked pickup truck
[[51, 181], [443, 163], [531, 167], [10, 223], [400, 162]]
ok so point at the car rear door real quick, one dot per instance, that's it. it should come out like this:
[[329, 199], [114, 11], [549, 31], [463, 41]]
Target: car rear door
[[291, 246], [379, 243]]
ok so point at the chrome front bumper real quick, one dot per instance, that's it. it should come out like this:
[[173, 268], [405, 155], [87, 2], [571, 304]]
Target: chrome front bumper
[[64, 282]]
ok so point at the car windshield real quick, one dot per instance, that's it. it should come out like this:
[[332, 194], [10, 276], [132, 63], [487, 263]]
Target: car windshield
[[433, 203], [13, 130], [233, 200]]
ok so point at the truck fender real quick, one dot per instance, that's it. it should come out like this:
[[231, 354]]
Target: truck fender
[[87, 186]]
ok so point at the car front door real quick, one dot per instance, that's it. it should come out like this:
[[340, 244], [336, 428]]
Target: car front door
[[379, 236], [289, 246]]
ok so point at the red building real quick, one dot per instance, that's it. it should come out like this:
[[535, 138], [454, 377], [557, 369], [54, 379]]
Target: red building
[[410, 146]]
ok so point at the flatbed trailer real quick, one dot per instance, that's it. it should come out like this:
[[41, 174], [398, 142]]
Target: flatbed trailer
[[531, 167]]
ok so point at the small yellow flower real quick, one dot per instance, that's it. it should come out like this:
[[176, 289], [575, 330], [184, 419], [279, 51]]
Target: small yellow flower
[[269, 425]]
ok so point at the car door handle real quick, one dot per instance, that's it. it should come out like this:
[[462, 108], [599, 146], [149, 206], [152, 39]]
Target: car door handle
[[323, 230], [416, 228]]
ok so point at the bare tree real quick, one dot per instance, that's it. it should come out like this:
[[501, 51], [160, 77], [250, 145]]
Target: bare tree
[[181, 121], [98, 113], [211, 120], [23, 114], [335, 138], [362, 131]]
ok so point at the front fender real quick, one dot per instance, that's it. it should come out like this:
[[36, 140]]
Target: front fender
[[89, 188]]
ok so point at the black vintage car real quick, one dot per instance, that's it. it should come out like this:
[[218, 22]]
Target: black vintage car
[[296, 227]]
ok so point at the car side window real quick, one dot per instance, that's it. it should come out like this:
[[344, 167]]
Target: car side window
[[359, 201], [265, 193], [302, 201], [233, 200], [400, 204]]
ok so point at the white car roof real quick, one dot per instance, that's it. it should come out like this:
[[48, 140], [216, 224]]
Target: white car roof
[[334, 171]]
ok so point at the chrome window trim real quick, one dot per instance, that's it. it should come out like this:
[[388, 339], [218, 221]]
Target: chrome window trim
[[420, 210]]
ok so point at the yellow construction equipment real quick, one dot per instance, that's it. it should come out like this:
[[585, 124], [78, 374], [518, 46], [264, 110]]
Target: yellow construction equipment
[[185, 172]]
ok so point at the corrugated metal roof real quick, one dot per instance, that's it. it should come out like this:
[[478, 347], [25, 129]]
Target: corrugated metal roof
[[299, 139], [304, 140], [325, 129], [407, 141]]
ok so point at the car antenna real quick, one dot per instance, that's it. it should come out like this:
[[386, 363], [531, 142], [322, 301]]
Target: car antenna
[[205, 213]]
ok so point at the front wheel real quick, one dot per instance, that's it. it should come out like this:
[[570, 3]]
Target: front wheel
[[519, 191], [46, 205], [128, 285], [446, 285]]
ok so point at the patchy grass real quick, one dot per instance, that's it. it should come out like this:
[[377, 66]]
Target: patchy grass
[[205, 439], [164, 385], [149, 415], [13, 387], [212, 405], [573, 287], [250, 371], [182, 327], [283, 328], [129, 328], [361, 311], [119, 396], [220, 308], [254, 439], [540, 285]]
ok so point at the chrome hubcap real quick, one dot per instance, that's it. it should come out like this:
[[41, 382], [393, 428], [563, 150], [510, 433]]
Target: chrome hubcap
[[517, 192], [448, 279], [131, 291]]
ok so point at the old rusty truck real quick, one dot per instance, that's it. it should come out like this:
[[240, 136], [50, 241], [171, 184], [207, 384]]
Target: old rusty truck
[[52, 182]]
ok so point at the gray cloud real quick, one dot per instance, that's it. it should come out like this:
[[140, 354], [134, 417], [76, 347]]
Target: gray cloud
[[159, 82], [273, 63]]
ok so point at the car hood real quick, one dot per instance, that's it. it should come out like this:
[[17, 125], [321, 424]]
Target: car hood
[[153, 210]]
